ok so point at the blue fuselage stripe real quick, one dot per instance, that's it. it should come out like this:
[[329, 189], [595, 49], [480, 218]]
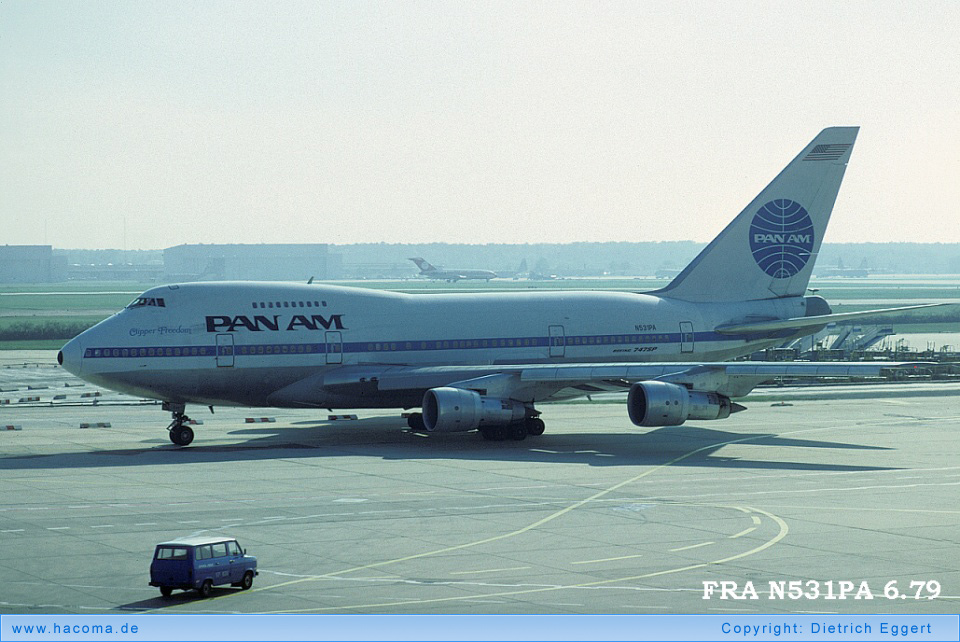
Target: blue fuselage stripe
[[429, 345]]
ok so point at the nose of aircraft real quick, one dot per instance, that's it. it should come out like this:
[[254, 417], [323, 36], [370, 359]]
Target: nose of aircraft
[[71, 356]]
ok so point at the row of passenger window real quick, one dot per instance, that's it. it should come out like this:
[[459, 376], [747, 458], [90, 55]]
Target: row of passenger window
[[281, 349], [514, 343], [288, 304], [446, 345], [148, 352], [629, 338]]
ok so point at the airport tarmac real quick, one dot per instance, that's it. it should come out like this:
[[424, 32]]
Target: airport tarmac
[[595, 516]]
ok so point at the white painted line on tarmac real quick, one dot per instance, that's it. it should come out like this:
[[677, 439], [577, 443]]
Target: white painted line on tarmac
[[687, 548], [491, 570], [608, 559]]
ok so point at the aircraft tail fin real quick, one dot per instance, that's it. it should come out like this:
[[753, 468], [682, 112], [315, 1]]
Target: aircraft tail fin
[[423, 265], [769, 249]]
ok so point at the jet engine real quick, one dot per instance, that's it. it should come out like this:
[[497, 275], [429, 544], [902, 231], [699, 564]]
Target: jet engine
[[657, 403], [458, 410]]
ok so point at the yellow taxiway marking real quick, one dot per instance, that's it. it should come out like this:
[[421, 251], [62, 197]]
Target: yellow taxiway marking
[[687, 548], [519, 531], [742, 533], [756, 520], [784, 529]]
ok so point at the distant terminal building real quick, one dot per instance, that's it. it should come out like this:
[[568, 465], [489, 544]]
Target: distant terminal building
[[30, 264], [140, 273], [280, 262]]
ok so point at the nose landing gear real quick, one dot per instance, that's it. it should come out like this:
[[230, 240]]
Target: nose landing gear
[[180, 434]]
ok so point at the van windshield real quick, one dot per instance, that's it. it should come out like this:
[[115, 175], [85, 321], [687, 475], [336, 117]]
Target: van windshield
[[171, 553]]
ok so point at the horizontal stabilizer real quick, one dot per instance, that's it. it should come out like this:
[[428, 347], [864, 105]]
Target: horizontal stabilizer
[[799, 323]]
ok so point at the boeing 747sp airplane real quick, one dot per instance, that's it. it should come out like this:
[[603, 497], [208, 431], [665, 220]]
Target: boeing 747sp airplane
[[484, 361]]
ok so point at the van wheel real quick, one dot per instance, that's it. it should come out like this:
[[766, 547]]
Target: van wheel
[[247, 580], [165, 591], [205, 588]]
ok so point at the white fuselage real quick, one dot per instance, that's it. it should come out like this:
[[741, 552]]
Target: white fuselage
[[239, 343], [457, 275]]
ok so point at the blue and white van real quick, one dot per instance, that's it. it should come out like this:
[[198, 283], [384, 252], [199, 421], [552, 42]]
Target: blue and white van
[[201, 563]]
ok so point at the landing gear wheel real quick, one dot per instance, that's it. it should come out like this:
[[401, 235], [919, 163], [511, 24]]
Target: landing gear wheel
[[518, 432], [166, 591], [205, 588], [247, 580], [415, 422], [495, 433], [535, 426], [182, 436]]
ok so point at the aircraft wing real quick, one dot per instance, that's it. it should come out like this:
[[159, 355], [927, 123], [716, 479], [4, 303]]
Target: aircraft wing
[[799, 323], [552, 382]]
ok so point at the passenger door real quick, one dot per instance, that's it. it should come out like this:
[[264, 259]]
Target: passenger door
[[204, 565], [686, 336], [334, 347], [558, 341], [235, 558], [221, 563], [224, 350]]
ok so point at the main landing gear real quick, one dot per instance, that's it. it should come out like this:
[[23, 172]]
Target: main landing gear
[[180, 434], [533, 426], [415, 422]]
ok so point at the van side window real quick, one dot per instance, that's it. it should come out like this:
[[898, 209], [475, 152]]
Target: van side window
[[219, 550], [171, 553], [203, 553], [233, 548]]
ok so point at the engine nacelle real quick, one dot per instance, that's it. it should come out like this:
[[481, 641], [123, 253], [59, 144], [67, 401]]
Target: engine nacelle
[[459, 410], [657, 403]]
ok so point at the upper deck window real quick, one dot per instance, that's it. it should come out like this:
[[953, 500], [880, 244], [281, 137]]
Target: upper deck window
[[142, 301]]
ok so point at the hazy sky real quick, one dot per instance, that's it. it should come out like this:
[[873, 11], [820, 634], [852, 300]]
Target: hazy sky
[[516, 122]]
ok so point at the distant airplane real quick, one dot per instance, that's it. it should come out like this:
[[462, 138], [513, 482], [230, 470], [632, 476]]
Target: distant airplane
[[666, 273], [451, 275], [524, 273], [861, 272], [482, 361]]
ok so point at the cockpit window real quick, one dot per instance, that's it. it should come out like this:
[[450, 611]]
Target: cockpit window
[[139, 302]]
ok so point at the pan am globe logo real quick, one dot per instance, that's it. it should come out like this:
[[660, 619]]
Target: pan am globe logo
[[781, 238]]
